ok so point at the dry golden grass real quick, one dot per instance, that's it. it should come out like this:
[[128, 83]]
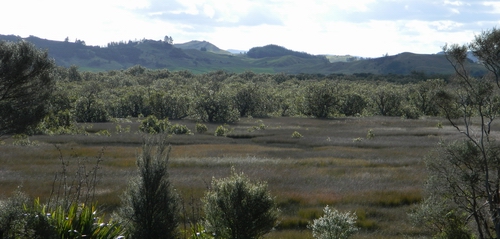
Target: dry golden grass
[[380, 178]]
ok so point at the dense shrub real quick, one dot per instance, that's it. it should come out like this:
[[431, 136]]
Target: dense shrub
[[90, 110], [179, 129], [153, 125], [19, 221], [334, 224], [150, 206], [235, 208], [201, 128]]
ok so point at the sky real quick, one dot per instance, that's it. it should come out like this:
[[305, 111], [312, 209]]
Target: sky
[[366, 28]]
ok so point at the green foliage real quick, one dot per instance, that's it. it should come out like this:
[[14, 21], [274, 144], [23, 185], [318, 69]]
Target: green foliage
[[485, 47], [214, 102], [81, 221], [296, 135], [439, 125], [235, 207], [179, 129], [61, 122], [152, 125], [410, 112], [455, 174], [22, 218], [171, 105], [321, 99], [253, 100], [334, 225], [19, 221], [221, 131], [150, 206], [119, 129], [353, 105], [466, 173], [26, 85], [388, 99], [89, 107], [23, 140], [440, 219], [103, 132], [423, 96], [88, 110], [370, 134], [201, 128], [275, 51], [133, 103], [198, 232]]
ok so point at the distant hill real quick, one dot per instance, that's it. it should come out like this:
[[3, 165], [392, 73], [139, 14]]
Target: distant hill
[[402, 64], [202, 46], [275, 51], [202, 56]]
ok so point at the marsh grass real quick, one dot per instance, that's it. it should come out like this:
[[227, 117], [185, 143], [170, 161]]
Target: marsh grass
[[381, 179]]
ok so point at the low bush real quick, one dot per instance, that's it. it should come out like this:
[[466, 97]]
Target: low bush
[[221, 131], [334, 224], [152, 125], [179, 129], [296, 135], [201, 128], [236, 207], [23, 140]]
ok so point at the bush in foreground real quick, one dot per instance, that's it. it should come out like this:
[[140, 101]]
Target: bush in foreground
[[334, 225], [150, 206], [237, 208]]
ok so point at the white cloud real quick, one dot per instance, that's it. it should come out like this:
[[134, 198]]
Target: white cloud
[[360, 27], [453, 3], [495, 6]]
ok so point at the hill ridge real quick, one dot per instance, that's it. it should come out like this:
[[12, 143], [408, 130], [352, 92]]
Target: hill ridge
[[202, 56]]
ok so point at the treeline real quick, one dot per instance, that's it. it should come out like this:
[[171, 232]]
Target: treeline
[[226, 97]]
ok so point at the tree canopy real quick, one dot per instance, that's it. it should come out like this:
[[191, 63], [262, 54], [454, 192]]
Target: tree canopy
[[26, 84]]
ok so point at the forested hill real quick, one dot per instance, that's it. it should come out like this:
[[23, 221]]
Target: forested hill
[[202, 56], [276, 51], [202, 46]]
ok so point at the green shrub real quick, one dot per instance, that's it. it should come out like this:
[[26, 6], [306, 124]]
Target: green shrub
[[150, 206], [370, 134], [439, 125], [23, 140], [296, 134], [201, 128], [411, 112], [235, 207], [197, 231], [19, 220], [21, 217], [103, 132], [90, 110], [81, 221], [179, 129], [221, 131], [334, 224], [152, 125], [120, 129]]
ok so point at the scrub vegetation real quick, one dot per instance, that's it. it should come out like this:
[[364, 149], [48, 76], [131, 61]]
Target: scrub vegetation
[[132, 153]]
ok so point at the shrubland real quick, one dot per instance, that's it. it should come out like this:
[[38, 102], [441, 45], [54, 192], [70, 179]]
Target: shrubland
[[309, 146]]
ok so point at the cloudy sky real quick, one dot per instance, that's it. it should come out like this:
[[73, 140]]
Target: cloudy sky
[[369, 28]]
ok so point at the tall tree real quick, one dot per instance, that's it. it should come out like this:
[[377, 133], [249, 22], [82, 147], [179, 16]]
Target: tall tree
[[477, 101], [26, 84]]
